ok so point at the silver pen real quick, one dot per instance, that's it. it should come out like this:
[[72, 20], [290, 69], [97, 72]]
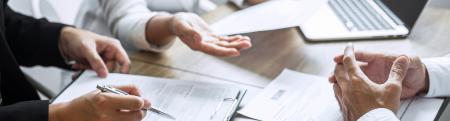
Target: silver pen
[[109, 89]]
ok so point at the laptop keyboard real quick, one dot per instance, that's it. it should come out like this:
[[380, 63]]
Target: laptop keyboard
[[358, 15]]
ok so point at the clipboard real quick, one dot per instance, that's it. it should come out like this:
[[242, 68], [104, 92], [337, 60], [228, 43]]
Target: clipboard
[[224, 110], [442, 110], [228, 107]]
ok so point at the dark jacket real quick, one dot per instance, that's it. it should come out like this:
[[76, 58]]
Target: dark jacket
[[25, 41]]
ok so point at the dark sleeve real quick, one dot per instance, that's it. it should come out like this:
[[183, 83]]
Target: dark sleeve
[[33, 41], [25, 111]]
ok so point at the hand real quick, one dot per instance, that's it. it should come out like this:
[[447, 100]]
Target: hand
[[98, 106], [92, 51], [195, 33], [357, 94], [377, 67]]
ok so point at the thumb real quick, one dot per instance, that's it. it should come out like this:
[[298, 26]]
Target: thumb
[[399, 69], [97, 64]]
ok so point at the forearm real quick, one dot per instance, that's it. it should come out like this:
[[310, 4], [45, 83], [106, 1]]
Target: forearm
[[159, 31], [131, 21], [33, 41], [426, 83]]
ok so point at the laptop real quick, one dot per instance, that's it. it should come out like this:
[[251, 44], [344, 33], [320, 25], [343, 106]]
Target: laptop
[[363, 19]]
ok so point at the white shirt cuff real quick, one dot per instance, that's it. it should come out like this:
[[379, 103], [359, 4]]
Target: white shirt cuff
[[379, 114], [438, 75], [134, 33], [137, 35]]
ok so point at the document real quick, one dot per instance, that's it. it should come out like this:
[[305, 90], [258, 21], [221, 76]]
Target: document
[[274, 14], [294, 96], [186, 100]]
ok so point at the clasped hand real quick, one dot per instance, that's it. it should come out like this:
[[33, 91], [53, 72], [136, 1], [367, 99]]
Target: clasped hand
[[358, 94]]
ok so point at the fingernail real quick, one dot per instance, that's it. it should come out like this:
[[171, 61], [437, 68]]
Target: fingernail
[[349, 50], [103, 72]]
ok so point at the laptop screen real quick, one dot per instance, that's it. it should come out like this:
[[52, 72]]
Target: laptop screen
[[407, 10]]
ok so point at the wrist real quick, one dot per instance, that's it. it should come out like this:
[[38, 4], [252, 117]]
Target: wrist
[[178, 23], [425, 80], [172, 24], [56, 111], [369, 108], [63, 40], [67, 111], [159, 29], [160, 21]]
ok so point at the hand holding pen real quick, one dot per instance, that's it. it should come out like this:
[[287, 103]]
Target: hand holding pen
[[109, 89], [99, 106]]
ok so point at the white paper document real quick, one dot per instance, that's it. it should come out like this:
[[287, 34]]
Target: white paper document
[[186, 100], [274, 14], [294, 96]]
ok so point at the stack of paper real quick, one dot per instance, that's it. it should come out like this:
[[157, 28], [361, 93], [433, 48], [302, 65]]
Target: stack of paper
[[294, 96], [274, 14]]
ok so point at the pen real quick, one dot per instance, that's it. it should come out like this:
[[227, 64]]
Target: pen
[[109, 89]]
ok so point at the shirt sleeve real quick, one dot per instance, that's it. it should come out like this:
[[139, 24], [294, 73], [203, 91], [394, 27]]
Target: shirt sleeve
[[25, 111], [438, 74], [127, 20], [239, 3], [379, 114], [33, 41]]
